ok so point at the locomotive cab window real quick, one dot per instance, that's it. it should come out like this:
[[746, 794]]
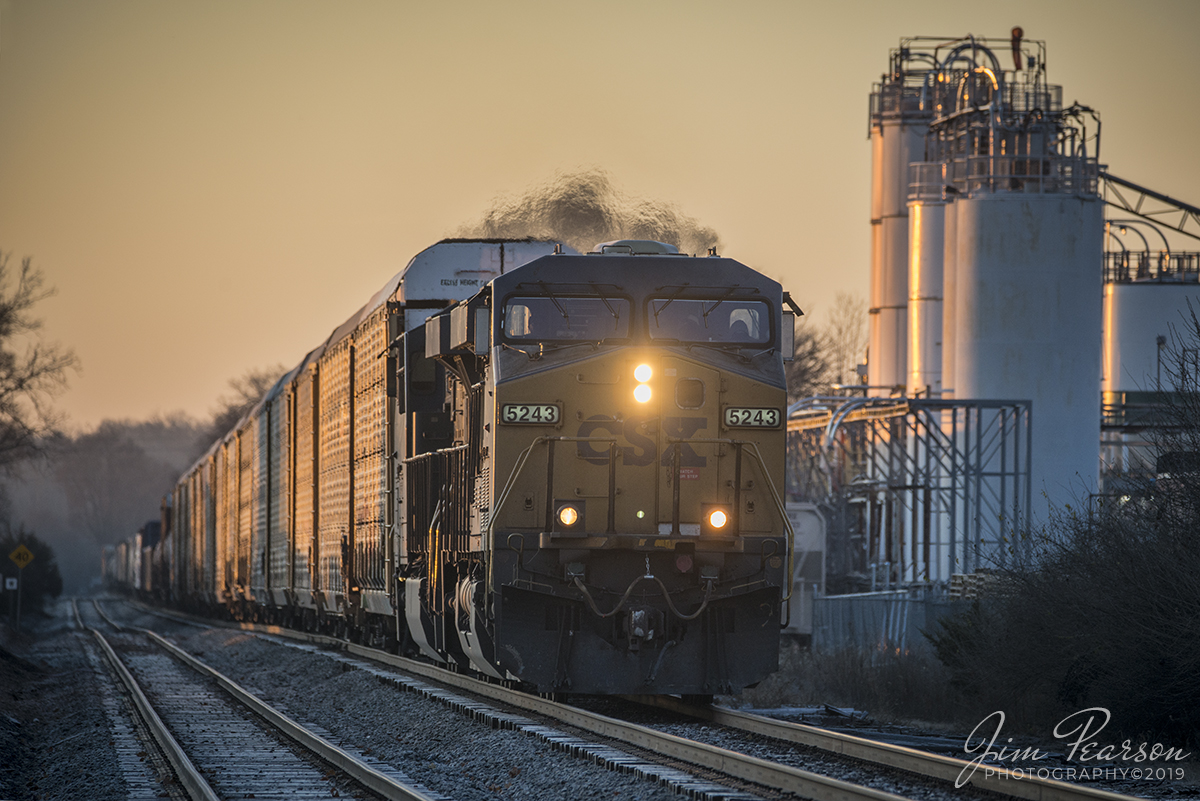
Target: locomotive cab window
[[738, 322], [551, 318]]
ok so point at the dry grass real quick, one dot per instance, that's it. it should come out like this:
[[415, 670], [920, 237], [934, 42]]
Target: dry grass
[[890, 686]]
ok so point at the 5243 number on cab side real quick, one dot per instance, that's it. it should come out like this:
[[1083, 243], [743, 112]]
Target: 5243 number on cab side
[[745, 417], [530, 413]]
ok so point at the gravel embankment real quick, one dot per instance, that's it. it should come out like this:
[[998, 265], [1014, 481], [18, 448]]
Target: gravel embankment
[[446, 752], [64, 730]]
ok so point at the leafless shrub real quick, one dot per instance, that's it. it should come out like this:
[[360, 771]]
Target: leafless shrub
[[890, 686], [1106, 609]]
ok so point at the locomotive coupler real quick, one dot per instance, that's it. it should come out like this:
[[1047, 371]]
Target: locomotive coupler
[[642, 625]]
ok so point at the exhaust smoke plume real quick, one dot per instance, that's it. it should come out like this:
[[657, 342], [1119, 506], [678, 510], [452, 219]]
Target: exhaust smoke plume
[[582, 209]]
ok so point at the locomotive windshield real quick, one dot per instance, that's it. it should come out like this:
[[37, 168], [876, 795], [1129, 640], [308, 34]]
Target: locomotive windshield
[[548, 318], [739, 322]]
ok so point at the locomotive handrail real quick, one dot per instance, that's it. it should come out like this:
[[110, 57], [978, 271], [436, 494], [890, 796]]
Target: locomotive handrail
[[512, 481], [779, 506], [430, 454], [524, 457]]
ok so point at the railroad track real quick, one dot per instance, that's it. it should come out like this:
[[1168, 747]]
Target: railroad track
[[222, 741], [763, 772]]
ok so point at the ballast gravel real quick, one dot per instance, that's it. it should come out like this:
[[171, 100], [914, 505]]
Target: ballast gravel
[[444, 751], [65, 732]]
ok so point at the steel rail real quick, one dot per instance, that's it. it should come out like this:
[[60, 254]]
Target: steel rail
[[359, 771], [100, 611], [779, 777], [741, 766], [189, 777], [770, 774], [362, 773], [748, 768], [912, 760]]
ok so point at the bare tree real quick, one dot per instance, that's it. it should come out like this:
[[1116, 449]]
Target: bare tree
[[807, 373], [845, 336], [32, 372], [247, 390], [111, 484]]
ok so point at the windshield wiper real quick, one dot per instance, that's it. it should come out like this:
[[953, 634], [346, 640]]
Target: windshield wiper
[[607, 305], [720, 300], [533, 357], [557, 346], [668, 302], [557, 305]]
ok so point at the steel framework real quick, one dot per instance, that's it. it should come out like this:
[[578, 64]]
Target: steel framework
[[1151, 205], [915, 489]]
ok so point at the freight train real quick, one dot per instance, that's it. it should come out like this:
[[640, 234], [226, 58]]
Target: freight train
[[545, 467]]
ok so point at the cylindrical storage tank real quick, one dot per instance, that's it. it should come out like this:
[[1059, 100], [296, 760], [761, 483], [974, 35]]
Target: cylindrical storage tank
[[926, 227], [1136, 314], [1028, 312], [897, 139], [949, 255]]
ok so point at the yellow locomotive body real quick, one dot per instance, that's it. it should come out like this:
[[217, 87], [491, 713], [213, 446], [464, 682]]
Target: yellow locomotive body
[[626, 533]]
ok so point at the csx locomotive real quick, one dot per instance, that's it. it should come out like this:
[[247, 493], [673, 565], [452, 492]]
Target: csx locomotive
[[545, 467]]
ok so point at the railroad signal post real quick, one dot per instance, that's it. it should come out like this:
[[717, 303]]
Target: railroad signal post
[[22, 556]]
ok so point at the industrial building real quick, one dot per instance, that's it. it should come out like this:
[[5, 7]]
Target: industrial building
[[1021, 298]]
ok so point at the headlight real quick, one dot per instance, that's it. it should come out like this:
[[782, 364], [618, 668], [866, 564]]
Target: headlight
[[716, 519], [568, 516], [642, 374]]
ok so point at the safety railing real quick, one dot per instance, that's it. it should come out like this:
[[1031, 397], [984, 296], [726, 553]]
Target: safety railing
[[998, 174], [1130, 266]]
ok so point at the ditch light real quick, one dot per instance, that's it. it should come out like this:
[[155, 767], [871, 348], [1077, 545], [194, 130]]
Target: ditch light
[[568, 516], [716, 519]]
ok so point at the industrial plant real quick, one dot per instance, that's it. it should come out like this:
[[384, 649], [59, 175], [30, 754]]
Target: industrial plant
[[1021, 300]]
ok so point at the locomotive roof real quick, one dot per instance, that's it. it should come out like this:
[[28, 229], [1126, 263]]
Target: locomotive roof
[[638, 275]]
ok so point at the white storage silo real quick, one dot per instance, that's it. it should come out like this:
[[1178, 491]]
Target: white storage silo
[[949, 284], [926, 225], [1136, 314], [898, 128], [1028, 322], [1141, 358]]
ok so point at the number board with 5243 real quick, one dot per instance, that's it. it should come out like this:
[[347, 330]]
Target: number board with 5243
[[752, 417], [530, 413]]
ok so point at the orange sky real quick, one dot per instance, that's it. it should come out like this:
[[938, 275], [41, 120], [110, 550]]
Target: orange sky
[[214, 186]]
